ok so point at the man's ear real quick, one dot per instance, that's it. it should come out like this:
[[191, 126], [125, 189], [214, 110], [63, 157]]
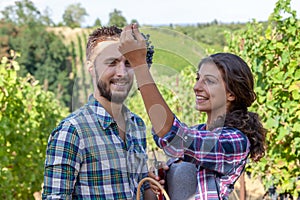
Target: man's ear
[[89, 66]]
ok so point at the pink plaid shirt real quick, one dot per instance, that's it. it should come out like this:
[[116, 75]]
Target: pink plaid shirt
[[220, 155]]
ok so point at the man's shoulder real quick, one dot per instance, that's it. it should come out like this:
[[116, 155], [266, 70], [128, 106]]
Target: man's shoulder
[[75, 117], [83, 111]]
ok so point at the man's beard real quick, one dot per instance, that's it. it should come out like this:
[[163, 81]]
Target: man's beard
[[107, 94]]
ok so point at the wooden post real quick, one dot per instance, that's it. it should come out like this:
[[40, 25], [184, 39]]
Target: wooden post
[[243, 187]]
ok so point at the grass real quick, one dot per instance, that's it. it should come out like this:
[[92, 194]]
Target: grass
[[173, 48]]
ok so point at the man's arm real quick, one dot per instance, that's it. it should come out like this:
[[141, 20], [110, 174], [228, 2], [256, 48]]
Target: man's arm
[[62, 163]]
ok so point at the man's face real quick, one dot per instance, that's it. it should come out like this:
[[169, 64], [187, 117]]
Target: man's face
[[113, 73]]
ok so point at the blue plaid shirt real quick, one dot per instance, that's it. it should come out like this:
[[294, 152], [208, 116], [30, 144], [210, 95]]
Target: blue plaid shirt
[[86, 158]]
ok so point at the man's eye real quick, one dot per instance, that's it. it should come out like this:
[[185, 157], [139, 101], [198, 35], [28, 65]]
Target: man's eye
[[127, 64], [113, 63]]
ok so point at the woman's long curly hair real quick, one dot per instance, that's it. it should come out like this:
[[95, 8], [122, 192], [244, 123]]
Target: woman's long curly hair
[[239, 81]]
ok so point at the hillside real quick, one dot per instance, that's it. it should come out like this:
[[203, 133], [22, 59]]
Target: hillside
[[172, 48]]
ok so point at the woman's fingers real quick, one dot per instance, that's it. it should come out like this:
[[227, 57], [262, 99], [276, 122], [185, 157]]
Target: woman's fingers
[[165, 166], [137, 33], [151, 174], [132, 46], [126, 33]]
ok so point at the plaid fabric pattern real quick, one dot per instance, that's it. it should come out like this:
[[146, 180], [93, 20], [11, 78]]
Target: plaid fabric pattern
[[220, 155], [86, 158]]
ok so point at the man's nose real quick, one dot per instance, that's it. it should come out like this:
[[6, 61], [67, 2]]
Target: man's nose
[[121, 69]]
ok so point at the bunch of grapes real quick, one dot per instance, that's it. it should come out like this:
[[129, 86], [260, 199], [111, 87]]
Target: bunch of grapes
[[150, 49]]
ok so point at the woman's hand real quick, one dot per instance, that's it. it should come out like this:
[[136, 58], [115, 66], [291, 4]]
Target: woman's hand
[[133, 45], [161, 180]]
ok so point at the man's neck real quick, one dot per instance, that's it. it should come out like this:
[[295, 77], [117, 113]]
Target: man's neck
[[114, 109]]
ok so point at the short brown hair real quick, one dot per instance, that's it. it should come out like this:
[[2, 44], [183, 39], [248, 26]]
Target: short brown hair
[[99, 35]]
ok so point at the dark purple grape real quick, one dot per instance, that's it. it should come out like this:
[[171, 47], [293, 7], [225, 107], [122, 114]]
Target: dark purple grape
[[150, 49]]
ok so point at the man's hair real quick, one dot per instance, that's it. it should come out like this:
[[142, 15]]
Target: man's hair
[[113, 33], [99, 35]]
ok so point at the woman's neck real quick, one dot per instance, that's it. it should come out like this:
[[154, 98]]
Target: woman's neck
[[214, 120]]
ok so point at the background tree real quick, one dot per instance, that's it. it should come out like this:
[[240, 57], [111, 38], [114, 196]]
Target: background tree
[[97, 23], [46, 17], [211, 35], [116, 18], [74, 15], [44, 55], [176, 93], [274, 55], [134, 21], [24, 12]]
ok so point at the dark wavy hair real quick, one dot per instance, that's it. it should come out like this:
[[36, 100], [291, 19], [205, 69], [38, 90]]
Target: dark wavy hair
[[239, 81]]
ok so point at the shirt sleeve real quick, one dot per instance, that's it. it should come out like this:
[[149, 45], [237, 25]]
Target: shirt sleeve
[[218, 150], [62, 162]]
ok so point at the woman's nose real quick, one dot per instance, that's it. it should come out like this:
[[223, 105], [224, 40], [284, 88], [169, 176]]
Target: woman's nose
[[198, 85]]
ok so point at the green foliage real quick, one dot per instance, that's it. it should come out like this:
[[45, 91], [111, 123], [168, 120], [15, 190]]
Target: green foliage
[[24, 12], [274, 55], [173, 48], [210, 35], [182, 96], [97, 23], [82, 82], [74, 15], [28, 114], [116, 18], [166, 58], [134, 21], [46, 18], [44, 55]]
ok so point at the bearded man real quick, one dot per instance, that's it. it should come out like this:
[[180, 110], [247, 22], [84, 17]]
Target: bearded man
[[99, 151]]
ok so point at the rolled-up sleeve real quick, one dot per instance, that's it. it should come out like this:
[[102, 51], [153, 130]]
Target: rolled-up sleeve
[[175, 141]]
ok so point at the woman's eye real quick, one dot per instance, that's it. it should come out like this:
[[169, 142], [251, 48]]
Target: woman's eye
[[209, 81]]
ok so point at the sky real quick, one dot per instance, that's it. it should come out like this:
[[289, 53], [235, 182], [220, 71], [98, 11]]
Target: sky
[[165, 12]]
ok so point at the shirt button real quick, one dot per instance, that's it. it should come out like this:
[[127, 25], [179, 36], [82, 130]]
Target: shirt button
[[185, 137]]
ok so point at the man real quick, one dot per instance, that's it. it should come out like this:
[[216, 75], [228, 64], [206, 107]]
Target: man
[[99, 151]]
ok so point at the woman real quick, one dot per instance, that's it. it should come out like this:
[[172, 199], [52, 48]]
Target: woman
[[220, 147]]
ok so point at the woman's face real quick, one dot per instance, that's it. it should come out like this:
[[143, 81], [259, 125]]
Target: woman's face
[[210, 91]]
